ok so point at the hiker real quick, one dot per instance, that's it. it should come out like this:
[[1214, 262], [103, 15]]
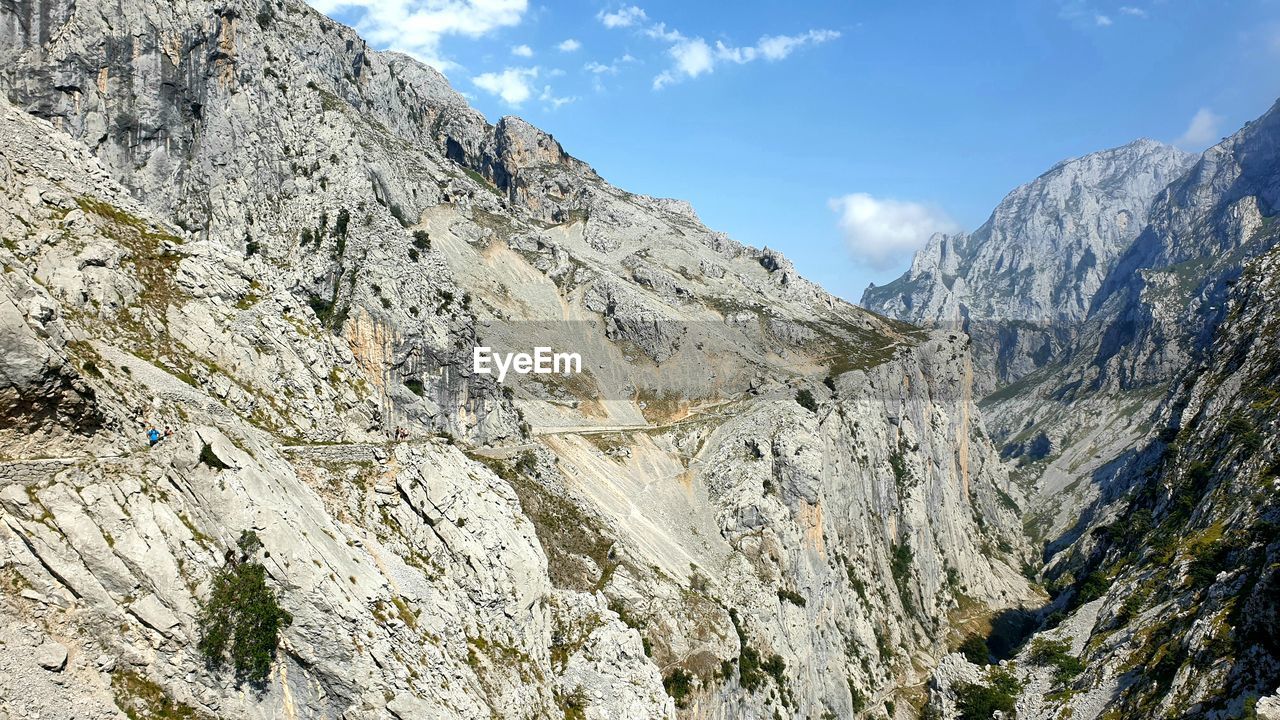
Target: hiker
[[168, 432], [153, 435]]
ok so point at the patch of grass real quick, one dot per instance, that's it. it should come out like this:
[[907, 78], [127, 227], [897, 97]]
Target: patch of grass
[[567, 533], [142, 699]]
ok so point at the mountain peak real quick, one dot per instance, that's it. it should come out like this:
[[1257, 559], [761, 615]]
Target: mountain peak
[[1044, 251]]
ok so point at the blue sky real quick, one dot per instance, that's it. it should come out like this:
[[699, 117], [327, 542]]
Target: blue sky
[[842, 133]]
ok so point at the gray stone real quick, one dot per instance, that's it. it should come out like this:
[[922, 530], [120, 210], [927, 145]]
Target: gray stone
[[51, 656]]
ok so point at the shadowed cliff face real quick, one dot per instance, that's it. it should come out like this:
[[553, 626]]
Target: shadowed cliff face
[[250, 227]]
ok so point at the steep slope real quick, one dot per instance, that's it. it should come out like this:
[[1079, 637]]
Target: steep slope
[[1022, 282], [1074, 423], [755, 499], [1164, 580]]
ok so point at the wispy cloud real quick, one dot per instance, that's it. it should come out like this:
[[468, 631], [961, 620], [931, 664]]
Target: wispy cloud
[[659, 31], [522, 51], [569, 45], [417, 27], [693, 56], [623, 17], [1205, 128], [549, 98], [1084, 13], [880, 231]]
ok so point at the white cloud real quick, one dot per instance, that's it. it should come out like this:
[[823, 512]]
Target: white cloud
[[569, 45], [522, 51], [1203, 129], [513, 85], [596, 68], [1133, 11], [416, 27], [693, 57], [880, 231], [623, 17], [659, 31], [779, 47], [1101, 20], [551, 100], [773, 47]]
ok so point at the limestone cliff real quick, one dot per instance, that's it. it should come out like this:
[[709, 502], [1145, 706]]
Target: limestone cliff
[[240, 221]]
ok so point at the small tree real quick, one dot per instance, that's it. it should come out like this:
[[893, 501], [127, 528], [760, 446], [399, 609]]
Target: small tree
[[241, 619]]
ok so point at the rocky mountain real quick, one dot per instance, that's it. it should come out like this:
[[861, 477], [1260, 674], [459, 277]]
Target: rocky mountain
[[1154, 438], [238, 221], [1022, 282]]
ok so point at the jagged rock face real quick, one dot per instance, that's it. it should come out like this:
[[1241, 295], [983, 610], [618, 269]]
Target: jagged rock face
[[1154, 317], [1169, 596], [1163, 568], [266, 235], [1028, 276], [1165, 297]]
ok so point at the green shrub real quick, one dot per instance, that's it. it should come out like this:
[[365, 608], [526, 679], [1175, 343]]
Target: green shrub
[[857, 698], [1094, 585], [209, 458], [976, 701], [791, 596], [421, 240], [321, 307], [975, 650], [900, 565], [805, 398], [415, 386], [678, 683], [241, 619], [1056, 654]]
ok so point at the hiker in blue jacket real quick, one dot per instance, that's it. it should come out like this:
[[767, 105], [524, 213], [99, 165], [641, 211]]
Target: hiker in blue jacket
[[153, 435]]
